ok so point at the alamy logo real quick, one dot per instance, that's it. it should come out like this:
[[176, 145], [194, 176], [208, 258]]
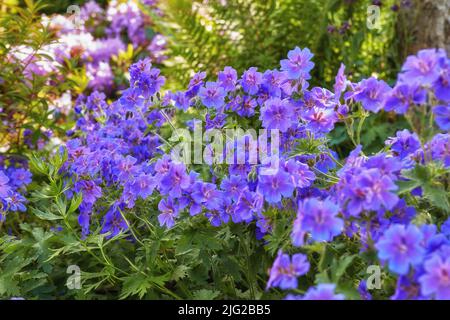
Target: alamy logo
[[74, 281], [374, 280], [228, 146], [373, 17], [74, 13]]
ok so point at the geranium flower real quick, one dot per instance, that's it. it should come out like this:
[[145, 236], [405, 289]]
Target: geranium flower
[[319, 218], [371, 93], [442, 114], [436, 280], [298, 64], [401, 247], [212, 95], [285, 270], [277, 114], [323, 291]]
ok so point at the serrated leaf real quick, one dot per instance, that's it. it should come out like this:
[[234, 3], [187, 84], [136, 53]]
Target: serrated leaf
[[405, 186], [75, 203], [419, 173], [45, 215], [341, 266], [205, 294], [180, 272], [437, 196], [9, 286], [136, 284]]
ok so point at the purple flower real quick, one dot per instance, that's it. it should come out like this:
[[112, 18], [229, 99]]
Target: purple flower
[[245, 106], [207, 194], [91, 192], [277, 114], [440, 148], [175, 181], [371, 191], [228, 78], [298, 64], [422, 68], [363, 291], [138, 68], [113, 222], [195, 84], [274, 82], [16, 202], [371, 93], [436, 280], [319, 217], [90, 9], [402, 247], [126, 168], [169, 211], [404, 95], [100, 75], [249, 203], [217, 217], [285, 270], [144, 185], [182, 101], [212, 95], [233, 186], [386, 165], [445, 227], [407, 289], [5, 189], [274, 186], [442, 85], [405, 143], [301, 176], [323, 291], [215, 123], [131, 100], [322, 98], [340, 83], [84, 220], [442, 114], [401, 213], [251, 80], [20, 177], [150, 82], [320, 120]]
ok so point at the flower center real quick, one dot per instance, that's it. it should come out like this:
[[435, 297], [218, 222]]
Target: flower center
[[445, 277]]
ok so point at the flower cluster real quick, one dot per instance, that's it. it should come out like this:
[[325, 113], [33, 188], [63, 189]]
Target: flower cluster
[[118, 157], [91, 49], [13, 182], [78, 38], [95, 36]]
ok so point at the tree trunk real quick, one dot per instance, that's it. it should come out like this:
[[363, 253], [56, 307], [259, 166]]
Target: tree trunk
[[427, 24]]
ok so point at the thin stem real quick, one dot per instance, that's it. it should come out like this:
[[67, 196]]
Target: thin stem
[[131, 229]]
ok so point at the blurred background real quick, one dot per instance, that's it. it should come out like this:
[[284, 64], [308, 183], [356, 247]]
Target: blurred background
[[182, 37], [211, 34]]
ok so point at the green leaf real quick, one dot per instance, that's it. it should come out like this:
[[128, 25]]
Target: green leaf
[[180, 272], [341, 266], [75, 203], [406, 186], [419, 173], [45, 215], [205, 294], [8, 286], [139, 284], [427, 177], [437, 196], [136, 284]]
